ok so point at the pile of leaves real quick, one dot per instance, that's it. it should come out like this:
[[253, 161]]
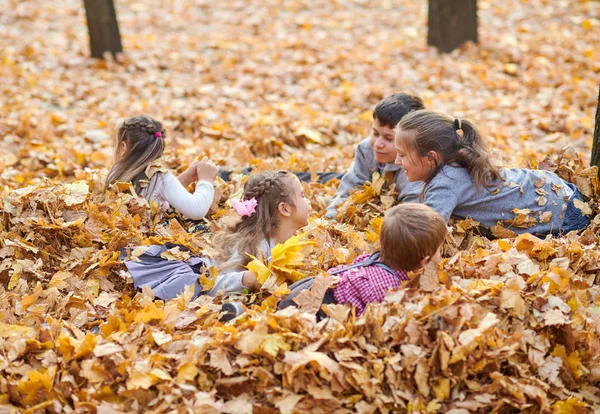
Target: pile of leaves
[[509, 325]]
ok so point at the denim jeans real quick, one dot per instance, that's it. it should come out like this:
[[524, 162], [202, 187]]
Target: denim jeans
[[574, 218]]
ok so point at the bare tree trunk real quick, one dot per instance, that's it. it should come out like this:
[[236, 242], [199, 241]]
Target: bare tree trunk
[[451, 23], [596, 143], [103, 27]]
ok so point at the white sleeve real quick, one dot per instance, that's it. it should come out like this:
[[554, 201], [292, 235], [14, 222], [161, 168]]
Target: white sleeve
[[194, 206]]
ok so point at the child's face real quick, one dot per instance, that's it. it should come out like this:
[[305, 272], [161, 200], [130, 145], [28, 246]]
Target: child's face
[[300, 213], [382, 142], [417, 168]]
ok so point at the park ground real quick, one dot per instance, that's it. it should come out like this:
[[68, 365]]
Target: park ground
[[510, 325]]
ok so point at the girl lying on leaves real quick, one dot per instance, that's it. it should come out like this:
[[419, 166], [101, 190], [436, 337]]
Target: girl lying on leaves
[[411, 236], [139, 142], [452, 158], [273, 207]]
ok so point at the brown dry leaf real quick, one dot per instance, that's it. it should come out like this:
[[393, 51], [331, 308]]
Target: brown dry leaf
[[429, 280], [310, 300], [219, 360], [250, 84]]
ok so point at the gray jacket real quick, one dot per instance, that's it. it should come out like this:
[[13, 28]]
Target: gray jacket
[[362, 170], [542, 193]]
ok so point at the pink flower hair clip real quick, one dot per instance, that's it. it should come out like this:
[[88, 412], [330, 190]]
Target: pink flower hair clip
[[246, 207]]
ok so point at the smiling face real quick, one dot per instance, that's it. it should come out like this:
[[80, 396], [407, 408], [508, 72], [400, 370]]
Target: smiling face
[[416, 167], [382, 142]]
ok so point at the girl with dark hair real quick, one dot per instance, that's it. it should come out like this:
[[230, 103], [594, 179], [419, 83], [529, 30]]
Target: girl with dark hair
[[452, 159], [139, 142]]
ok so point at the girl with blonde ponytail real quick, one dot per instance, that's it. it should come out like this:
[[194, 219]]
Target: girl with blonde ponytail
[[453, 160]]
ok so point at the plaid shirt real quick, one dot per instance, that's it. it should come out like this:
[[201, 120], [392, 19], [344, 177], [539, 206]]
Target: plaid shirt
[[363, 285]]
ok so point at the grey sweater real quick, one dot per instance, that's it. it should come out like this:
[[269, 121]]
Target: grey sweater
[[362, 170], [230, 280], [452, 193]]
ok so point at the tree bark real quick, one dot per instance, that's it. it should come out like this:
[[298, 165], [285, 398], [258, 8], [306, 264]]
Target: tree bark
[[451, 23], [103, 28], [596, 143]]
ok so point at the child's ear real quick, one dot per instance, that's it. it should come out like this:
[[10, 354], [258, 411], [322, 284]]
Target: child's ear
[[425, 260], [284, 209], [434, 155], [122, 148]]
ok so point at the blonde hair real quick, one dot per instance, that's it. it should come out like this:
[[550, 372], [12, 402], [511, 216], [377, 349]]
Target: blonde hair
[[426, 130], [144, 138], [269, 188], [409, 233]]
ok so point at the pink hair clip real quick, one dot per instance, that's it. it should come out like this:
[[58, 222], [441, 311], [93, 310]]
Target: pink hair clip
[[245, 207], [157, 135]]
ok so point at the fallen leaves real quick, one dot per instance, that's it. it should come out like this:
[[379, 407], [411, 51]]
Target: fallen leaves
[[310, 300], [505, 325]]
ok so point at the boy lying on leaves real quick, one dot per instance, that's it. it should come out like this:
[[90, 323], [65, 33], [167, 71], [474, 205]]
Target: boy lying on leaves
[[378, 152], [411, 236]]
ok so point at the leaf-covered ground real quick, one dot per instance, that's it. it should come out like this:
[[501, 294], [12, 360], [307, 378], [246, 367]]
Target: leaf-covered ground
[[509, 325]]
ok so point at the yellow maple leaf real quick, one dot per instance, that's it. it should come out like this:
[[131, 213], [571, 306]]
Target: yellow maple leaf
[[285, 259], [273, 343], [571, 406], [149, 313], [372, 234], [257, 266], [208, 281], [187, 372]]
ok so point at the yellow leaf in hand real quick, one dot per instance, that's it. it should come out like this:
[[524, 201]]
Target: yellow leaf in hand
[[258, 267]]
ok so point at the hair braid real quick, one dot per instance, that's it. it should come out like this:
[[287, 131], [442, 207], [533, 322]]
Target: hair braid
[[269, 188]]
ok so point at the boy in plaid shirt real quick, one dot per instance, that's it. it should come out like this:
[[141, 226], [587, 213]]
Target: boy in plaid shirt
[[411, 236]]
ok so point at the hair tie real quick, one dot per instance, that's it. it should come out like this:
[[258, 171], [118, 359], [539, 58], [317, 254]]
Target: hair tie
[[457, 124], [246, 207], [157, 134]]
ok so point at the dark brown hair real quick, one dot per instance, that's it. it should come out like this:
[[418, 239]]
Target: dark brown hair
[[390, 110], [409, 233], [139, 133], [269, 188], [426, 130]]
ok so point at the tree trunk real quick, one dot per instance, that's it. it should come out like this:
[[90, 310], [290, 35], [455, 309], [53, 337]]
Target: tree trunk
[[451, 23], [596, 143], [103, 27]]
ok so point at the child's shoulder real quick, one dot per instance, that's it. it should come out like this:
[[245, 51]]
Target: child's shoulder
[[452, 173], [362, 258]]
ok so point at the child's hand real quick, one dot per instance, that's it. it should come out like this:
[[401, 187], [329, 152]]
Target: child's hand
[[189, 175], [206, 170], [249, 279]]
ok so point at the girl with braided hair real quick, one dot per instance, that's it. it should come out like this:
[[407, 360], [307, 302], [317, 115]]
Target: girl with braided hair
[[452, 159], [139, 141], [273, 207]]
